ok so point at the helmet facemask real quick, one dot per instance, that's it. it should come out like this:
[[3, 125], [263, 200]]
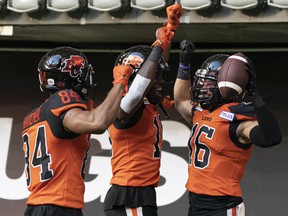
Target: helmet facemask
[[86, 84], [204, 91]]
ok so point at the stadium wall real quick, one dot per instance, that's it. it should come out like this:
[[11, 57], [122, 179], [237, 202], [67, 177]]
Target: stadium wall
[[265, 181]]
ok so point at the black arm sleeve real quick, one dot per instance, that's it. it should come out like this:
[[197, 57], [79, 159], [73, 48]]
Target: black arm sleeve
[[267, 133], [155, 55]]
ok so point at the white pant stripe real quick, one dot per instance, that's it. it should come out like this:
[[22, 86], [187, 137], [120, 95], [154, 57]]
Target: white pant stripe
[[139, 211], [129, 211], [240, 210]]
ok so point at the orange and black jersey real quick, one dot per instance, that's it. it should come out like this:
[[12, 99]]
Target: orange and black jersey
[[55, 159], [136, 153], [136, 149], [217, 159]]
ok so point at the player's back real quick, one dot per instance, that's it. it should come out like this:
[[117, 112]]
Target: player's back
[[54, 157]]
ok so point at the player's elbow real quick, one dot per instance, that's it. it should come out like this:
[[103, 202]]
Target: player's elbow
[[100, 127], [177, 104], [274, 138], [273, 141], [131, 100], [101, 122], [265, 140], [268, 143]]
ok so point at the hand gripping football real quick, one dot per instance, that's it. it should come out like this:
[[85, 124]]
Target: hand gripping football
[[233, 77]]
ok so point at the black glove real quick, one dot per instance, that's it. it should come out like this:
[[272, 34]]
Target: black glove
[[251, 87], [186, 52], [256, 99]]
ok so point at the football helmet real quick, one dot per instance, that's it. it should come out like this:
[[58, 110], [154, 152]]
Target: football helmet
[[135, 57], [205, 90], [65, 68]]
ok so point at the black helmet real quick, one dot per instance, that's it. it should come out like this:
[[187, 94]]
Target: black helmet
[[208, 73], [136, 56], [65, 68]]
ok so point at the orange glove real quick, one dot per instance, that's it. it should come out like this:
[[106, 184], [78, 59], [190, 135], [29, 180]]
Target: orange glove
[[121, 74], [174, 12], [167, 102], [164, 37]]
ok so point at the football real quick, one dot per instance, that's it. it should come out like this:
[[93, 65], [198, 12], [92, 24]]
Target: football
[[233, 77]]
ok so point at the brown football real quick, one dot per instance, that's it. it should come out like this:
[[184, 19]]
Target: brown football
[[233, 77]]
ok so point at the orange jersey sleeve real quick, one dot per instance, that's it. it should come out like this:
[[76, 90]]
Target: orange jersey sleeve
[[217, 161], [136, 150], [55, 159]]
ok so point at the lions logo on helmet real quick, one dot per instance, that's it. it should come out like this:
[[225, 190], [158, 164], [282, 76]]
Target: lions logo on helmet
[[136, 56], [135, 59], [73, 65]]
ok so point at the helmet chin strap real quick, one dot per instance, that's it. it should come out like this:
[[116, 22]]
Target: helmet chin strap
[[156, 100], [48, 88], [153, 98], [164, 111]]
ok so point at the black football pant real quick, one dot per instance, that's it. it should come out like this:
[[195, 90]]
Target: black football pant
[[51, 210]]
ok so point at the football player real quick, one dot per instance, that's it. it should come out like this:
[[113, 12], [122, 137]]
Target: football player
[[136, 134], [56, 134], [222, 136]]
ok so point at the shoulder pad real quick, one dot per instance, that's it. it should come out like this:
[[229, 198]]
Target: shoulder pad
[[65, 97], [244, 109]]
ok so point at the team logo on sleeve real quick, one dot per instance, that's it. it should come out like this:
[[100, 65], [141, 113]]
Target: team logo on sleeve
[[73, 65]]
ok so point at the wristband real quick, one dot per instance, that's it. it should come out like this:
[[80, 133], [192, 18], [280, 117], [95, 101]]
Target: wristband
[[257, 101], [183, 73], [155, 55], [184, 66]]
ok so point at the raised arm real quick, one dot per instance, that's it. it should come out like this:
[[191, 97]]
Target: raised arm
[[144, 79], [264, 132], [97, 121], [182, 96]]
